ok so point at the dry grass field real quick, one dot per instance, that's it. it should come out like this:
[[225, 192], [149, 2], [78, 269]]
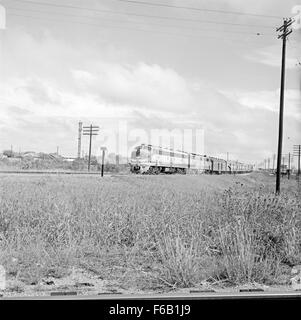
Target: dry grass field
[[148, 233]]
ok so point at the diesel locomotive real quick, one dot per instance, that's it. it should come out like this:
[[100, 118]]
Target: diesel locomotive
[[148, 159]]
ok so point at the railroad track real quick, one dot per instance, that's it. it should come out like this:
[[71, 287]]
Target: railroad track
[[25, 172]]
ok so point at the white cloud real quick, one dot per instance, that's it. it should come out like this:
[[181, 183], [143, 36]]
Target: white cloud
[[272, 55], [83, 77], [269, 100], [140, 85]]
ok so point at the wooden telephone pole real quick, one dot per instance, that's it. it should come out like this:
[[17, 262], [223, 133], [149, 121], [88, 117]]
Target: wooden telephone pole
[[90, 131], [285, 31], [79, 143], [297, 153]]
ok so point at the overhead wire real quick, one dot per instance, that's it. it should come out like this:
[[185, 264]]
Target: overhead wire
[[241, 41], [140, 15], [155, 4], [127, 28], [139, 22]]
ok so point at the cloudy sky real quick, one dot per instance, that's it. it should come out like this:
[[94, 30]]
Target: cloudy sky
[[151, 67]]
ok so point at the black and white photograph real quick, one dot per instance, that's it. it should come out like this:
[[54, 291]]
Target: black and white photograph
[[150, 148]]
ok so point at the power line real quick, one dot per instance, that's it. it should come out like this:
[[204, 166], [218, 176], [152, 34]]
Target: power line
[[153, 24], [201, 9], [109, 26], [126, 28], [140, 15]]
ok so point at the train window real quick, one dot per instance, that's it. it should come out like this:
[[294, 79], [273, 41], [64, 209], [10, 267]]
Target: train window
[[172, 154], [160, 151]]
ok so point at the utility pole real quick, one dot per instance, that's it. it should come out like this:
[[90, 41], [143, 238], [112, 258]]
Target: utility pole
[[90, 131], [79, 146], [269, 164], [297, 152], [57, 150], [285, 32], [227, 161]]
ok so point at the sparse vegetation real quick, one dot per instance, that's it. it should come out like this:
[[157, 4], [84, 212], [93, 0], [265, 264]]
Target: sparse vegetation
[[151, 231], [44, 162]]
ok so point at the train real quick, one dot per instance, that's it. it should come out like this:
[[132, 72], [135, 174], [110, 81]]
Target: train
[[148, 159]]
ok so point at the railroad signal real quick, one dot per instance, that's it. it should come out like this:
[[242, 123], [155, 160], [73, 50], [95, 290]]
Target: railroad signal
[[104, 149], [289, 166], [90, 131]]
